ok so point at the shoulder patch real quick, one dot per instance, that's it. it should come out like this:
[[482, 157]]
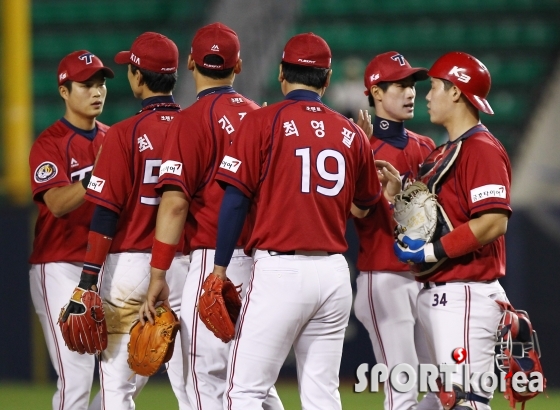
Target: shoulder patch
[[96, 184], [45, 172], [230, 163], [488, 191], [171, 167]]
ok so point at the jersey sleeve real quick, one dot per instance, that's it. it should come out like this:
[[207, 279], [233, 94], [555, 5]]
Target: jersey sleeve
[[186, 152], [368, 187], [242, 163], [48, 166], [486, 175], [111, 182]]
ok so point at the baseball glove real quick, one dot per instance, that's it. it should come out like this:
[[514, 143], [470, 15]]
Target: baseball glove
[[152, 345], [83, 327], [415, 212], [219, 306]]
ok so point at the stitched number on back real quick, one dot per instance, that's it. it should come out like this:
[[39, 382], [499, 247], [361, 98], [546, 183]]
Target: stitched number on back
[[332, 157], [151, 177], [439, 300]]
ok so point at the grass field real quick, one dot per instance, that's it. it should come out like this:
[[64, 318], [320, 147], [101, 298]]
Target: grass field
[[158, 395]]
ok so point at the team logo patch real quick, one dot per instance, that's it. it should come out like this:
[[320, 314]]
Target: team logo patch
[[96, 184], [171, 167], [488, 191], [231, 164], [45, 172]]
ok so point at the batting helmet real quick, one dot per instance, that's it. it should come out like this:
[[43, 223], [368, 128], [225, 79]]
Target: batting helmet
[[468, 74]]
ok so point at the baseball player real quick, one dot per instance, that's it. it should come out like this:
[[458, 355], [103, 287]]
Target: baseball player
[[197, 140], [60, 162], [301, 165], [386, 294], [122, 229], [457, 304]]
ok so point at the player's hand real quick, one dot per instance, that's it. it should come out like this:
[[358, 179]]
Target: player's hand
[[73, 307], [390, 179], [220, 272], [364, 122], [158, 292], [410, 250]]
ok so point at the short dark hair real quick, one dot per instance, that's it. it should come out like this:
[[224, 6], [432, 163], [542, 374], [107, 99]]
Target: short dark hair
[[446, 84], [68, 85], [214, 59], [309, 76], [156, 82], [384, 85]]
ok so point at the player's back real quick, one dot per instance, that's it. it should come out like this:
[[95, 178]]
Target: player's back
[[315, 163], [198, 139], [62, 155], [126, 176]]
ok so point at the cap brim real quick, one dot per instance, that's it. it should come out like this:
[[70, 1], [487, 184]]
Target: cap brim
[[122, 57], [86, 74], [417, 73]]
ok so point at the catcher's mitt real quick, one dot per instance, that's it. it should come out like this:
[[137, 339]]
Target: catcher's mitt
[[415, 212], [84, 329], [152, 345], [219, 306]]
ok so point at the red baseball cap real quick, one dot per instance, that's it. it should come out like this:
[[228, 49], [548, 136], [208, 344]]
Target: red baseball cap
[[218, 39], [153, 52], [391, 66], [307, 49], [79, 66]]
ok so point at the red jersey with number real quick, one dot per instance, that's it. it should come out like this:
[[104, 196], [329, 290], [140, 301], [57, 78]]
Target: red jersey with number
[[376, 230], [479, 180], [196, 142], [62, 155], [126, 175], [302, 164]]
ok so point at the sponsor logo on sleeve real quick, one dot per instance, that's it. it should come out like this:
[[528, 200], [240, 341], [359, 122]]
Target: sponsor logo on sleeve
[[45, 172], [171, 167], [231, 164], [96, 184], [488, 191]]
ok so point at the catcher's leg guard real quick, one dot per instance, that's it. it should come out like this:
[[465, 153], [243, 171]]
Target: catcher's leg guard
[[459, 399]]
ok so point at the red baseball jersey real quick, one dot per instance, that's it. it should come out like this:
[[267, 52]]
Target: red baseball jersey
[[126, 175], [196, 141], [376, 231], [302, 164], [62, 155], [479, 180]]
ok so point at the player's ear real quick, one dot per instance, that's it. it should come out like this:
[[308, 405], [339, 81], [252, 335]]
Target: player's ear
[[190, 63], [238, 66], [64, 92], [280, 73], [376, 92], [455, 93], [328, 80]]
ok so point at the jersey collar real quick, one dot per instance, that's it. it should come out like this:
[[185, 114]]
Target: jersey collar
[[160, 99], [224, 89], [89, 134], [303, 95], [390, 132]]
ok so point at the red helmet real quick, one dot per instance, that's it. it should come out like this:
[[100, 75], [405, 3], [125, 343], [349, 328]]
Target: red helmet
[[468, 74]]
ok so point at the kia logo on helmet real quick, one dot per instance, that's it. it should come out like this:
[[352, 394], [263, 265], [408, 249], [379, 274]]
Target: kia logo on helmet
[[460, 74]]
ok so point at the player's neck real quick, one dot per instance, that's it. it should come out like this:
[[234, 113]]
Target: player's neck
[[147, 93], [80, 121], [460, 122], [289, 87], [204, 83]]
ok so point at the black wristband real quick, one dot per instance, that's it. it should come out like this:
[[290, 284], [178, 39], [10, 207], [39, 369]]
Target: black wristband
[[87, 280], [439, 252], [85, 181]]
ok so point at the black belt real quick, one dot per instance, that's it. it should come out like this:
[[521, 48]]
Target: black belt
[[279, 253], [428, 285]]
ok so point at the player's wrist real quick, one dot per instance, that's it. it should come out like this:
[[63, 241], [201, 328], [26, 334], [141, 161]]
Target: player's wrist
[[439, 252], [429, 254], [85, 181], [162, 255], [460, 241], [88, 281]]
